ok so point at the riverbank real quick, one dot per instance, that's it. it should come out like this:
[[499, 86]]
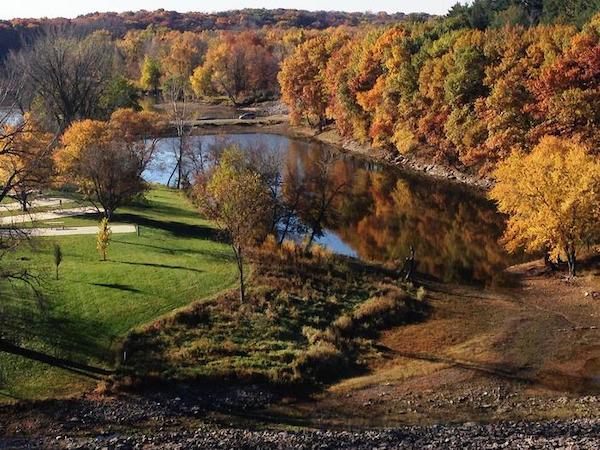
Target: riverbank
[[526, 352], [273, 119], [128, 422], [408, 162], [512, 367]]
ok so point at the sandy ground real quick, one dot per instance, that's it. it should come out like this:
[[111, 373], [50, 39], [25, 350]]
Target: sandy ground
[[74, 231], [46, 202], [528, 352], [50, 215]]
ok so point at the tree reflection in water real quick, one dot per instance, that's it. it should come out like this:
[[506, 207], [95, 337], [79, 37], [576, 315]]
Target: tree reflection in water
[[380, 213], [377, 212]]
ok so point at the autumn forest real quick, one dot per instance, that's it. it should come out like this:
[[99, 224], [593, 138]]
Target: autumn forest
[[301, 229]]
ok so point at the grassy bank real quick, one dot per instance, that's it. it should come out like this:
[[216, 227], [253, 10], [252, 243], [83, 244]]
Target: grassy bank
[[83, 316], [308, 319]]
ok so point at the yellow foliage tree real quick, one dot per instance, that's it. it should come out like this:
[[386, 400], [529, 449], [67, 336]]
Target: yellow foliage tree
[[106, 160], [552, 198], [103, 237], [25, 159]]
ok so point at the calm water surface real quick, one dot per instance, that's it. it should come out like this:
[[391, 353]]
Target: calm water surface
[[381, 212]]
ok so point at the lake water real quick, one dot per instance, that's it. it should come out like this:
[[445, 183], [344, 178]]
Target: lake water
[[9, 117], [380, 211]]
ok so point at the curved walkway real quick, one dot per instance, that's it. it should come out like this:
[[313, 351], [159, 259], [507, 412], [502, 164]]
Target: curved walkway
[[73, 231], [45, 202], [50, 215]]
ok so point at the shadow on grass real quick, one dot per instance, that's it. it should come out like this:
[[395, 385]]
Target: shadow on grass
[[176, 228], [215, 255], [68, 335], [62, 363], [121, 287], [159, 266]]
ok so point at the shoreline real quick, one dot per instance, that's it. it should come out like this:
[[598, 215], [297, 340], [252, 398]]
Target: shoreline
[[280, 125]]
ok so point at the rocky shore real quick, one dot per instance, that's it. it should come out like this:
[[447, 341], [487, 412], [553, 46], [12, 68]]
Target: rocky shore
[[272, 117], [231, 419], [577, 434], [405, 162]]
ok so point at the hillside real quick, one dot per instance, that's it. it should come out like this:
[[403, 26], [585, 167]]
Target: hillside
[[13, 32]]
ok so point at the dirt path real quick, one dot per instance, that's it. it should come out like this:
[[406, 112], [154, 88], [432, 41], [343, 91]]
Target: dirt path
[[50, 215], [528, 352], [75, 231], [38, 203]]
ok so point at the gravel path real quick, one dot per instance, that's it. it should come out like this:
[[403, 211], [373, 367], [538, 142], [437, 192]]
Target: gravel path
[[51, 215], [75, 231], [39, 203]]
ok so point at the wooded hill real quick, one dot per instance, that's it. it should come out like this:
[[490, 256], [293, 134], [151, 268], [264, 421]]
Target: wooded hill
[[13, 32]]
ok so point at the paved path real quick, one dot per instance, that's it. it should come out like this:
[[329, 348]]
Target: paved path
[[50, 215], [74, 231], [39, 203]]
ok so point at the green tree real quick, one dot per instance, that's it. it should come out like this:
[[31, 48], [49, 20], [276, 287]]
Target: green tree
[[237, 199], [151, 75], [120, 93], [58, 256]]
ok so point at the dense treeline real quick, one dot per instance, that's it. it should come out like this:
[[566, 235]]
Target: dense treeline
[[450, 92], [482, 14], [14, 32]]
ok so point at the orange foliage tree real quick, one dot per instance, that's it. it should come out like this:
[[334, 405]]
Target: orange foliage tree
[[106, 160], [237, 66], [302, 81]]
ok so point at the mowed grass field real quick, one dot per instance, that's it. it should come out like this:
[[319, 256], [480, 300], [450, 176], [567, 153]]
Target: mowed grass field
[[83, 316]]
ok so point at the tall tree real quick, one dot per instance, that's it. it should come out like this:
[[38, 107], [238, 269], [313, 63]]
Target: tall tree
[[302, 78], [26, 162], [552, 197], [237, 199], [181, 117], [238, 66], [106, 160], [151, 75], [66, 75]]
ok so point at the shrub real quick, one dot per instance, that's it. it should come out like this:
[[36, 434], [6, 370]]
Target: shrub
[[199, 315], [321, 362], [374, 307], [322, 254], [379, 312], [344, 324], [270, 244], [289, 249], [421, 293]]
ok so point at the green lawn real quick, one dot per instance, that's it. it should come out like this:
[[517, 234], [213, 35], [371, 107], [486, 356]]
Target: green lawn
[[83, 316]]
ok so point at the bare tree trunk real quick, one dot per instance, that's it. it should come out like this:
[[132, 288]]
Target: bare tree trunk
[[180, 159], [310, 240], [240, 264], [22, 197], [572, 262]]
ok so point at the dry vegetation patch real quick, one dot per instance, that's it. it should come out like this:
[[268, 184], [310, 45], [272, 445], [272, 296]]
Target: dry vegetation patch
[[309, 318]]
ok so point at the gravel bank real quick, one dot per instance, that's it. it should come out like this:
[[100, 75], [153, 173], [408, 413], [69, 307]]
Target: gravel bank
[[577, 434], [167, 421]]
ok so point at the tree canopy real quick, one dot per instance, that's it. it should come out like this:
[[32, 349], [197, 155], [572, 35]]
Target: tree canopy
[[237, 199], [106, 159], [552, 198]]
